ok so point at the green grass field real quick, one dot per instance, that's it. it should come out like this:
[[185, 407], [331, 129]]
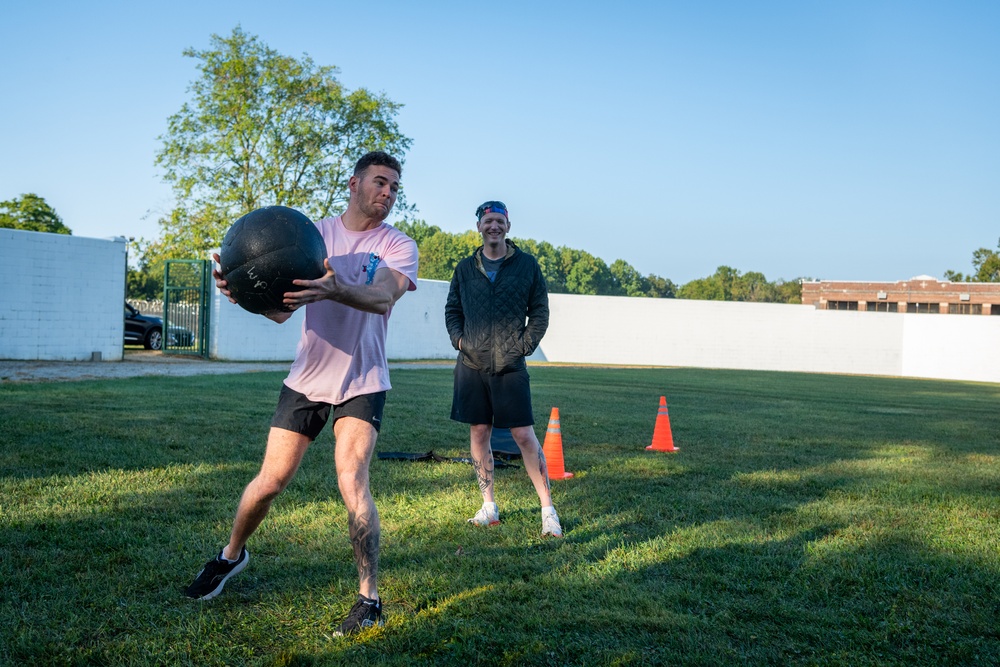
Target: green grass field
[[807, 520]]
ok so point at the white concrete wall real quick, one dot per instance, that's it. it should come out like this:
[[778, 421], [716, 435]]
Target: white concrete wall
[[416, 329], [779, 337], [236, 335], [63, 301], [718, 334], [676, 332], [948, 346], [63, 296]]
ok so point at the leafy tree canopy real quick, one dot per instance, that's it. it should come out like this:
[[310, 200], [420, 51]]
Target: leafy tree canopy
[[566, 270], [985, 268], [261, 128], [728, 284], [31, 213], [571, 271]]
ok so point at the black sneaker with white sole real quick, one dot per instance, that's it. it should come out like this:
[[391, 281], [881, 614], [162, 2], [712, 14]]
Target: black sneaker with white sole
[[366, 613], [214, 576]]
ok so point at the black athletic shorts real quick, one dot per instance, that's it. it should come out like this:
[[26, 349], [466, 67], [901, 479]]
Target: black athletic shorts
[[297, 413], [501, 400]]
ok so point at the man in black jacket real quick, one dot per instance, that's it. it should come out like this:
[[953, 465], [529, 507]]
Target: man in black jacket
[[492, 292]]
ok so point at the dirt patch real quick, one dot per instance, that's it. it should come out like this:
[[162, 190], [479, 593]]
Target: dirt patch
[[135, 364], [142, 362]]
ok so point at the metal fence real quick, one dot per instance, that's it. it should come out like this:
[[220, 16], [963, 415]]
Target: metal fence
[[185, 311], [151, 308]]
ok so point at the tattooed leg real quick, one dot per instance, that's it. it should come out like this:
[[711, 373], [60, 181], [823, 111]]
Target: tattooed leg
[[482, 459], [543, 468], [365, 531], [534, 462], [484, 475], [353, 452]]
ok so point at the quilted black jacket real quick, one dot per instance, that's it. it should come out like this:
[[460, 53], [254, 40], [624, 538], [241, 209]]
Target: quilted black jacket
[[489, 316]]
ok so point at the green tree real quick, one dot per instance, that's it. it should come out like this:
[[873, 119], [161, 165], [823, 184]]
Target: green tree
[[753, 286], [627, 280], [660, 288], [31, 213], [985, 268], [418, 230], [585, 274], [261, 129], [566, 270], [441, 252], [728, 284], [717, 287], [704, 289], [549, 262], [144, 282], [790, 291]]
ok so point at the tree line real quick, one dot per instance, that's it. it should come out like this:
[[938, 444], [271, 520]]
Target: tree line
[[572, 271], [566, 270]]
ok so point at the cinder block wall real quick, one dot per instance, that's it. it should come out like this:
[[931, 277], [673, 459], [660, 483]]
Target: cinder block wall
[[64, 302], [416, 329], [961, 347], [676, 332], [63, 297], [718, 334]]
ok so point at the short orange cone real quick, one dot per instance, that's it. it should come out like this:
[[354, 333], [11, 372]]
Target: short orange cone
[[663, 439], [552, 449]]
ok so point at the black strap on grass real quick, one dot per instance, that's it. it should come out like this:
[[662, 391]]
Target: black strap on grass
[[431, 456]]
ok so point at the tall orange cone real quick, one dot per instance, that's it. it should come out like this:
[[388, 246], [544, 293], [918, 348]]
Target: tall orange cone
[[663, 439], [552, 449]]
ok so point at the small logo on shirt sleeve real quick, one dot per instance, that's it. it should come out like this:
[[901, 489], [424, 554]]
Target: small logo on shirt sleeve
[[373, 260]]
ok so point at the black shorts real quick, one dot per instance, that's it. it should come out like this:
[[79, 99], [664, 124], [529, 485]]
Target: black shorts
[[501, 400], [297, 413]]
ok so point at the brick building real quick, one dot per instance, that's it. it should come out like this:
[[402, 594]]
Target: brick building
[[922, 294]]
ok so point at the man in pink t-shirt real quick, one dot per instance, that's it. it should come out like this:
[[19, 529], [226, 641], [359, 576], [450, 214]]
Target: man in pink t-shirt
[[340, 372]]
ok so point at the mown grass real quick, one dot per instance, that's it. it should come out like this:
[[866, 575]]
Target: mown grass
[[807, 519]]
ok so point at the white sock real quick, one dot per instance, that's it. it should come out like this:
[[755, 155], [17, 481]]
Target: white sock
[[549, 510], [490, 507], [228, 560]]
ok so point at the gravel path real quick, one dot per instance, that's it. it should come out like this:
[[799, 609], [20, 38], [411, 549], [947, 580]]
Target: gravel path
[[137, 363]]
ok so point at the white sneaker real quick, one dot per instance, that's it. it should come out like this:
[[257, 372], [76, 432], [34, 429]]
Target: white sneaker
[[550, 525], [487, 517]]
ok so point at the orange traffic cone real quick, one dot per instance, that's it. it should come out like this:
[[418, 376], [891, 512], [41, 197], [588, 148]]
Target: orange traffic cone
[[552, 449], [663, 439]]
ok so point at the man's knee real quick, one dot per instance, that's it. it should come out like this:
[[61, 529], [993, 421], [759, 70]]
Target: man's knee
[[353, 475], [268, 486], [480, 433], [524, 437]]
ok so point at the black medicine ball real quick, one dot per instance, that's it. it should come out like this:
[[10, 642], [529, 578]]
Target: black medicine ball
[[264, 251]]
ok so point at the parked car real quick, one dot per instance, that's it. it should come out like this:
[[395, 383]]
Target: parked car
[[147, 331]]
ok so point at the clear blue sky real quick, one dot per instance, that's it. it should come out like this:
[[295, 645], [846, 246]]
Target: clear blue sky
[[839, 140]]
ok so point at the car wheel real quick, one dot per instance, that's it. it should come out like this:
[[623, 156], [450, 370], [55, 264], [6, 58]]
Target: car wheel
[[154, 340]]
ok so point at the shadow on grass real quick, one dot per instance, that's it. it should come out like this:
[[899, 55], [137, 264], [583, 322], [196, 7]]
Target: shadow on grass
[[732, 576]]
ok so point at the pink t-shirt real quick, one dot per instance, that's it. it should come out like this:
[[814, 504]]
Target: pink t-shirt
[[342, 350]]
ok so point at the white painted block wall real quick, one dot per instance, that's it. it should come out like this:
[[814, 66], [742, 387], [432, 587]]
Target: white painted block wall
[[675, 332], [416, 329], [65, 294], [236, 335], [946, 346], [63, 298], [717, 334]]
